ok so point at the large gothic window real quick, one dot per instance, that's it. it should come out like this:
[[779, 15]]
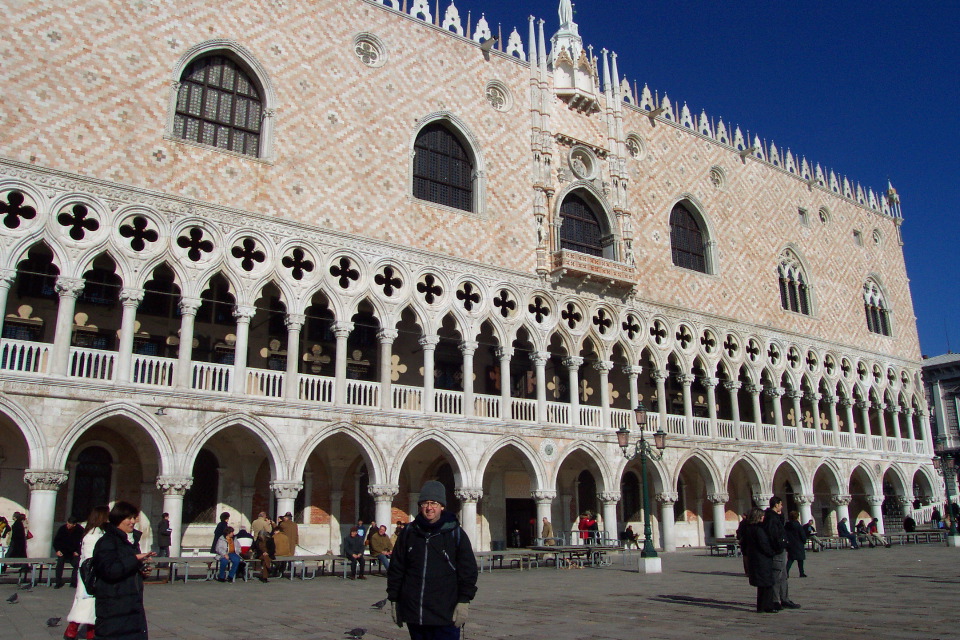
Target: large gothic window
[[91, 484], [875, 308], [580, 230], [219, 105], [443, 170], [687, 240], [794, 290]]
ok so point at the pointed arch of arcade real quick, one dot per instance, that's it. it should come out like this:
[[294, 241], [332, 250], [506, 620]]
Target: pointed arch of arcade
[[461, 466], [530, 455], [595, 455], [276, 457], [759, 482], [376, 467], [655, 468], [833, 471], [704, 463], [900, 484], [868, 479], [36, 448], [132, 412], [795, 471]]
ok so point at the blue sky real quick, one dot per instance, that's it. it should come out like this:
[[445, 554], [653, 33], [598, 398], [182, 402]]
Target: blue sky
[[868, 89]]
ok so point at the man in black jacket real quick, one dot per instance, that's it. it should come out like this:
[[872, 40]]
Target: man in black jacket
[[66, 544], [433, 572], [773, 524]]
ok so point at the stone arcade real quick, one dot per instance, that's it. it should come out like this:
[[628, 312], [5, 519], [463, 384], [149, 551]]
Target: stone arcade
[[260, 256]]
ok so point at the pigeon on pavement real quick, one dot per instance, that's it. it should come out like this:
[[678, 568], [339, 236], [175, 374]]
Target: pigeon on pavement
[[355, 634], [53, 622], [380, 604], [14, 599]]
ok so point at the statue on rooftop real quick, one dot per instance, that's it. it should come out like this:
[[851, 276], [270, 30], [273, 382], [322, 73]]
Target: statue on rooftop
[[566, 12]]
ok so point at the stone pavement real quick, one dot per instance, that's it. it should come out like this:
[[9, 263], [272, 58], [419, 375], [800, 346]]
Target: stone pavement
[[902, 592]]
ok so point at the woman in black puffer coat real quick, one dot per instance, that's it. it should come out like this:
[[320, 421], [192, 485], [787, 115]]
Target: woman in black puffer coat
[[119, 565], [757, 549]]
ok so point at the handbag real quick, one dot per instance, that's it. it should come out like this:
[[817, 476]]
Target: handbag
[[88, 575], [29, 534]]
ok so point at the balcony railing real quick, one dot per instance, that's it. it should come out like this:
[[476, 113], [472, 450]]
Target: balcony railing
[[32, 358]]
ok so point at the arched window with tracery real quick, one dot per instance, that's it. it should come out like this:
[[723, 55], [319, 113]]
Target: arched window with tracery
[[794, 289], [875, 308], [91, 484], [443, 169], [219, 105], [687, 240], [580, 229]]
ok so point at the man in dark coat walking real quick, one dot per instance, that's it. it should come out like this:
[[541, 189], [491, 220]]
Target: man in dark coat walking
[[433, 572], [773, 525]]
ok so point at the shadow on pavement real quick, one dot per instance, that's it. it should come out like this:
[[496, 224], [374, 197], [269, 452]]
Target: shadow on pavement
[[703, 602], [732, 574]]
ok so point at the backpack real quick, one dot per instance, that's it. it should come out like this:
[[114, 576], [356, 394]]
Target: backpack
[[88, 575]]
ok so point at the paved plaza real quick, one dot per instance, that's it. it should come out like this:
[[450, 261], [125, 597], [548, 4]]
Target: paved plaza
[[902, 592]]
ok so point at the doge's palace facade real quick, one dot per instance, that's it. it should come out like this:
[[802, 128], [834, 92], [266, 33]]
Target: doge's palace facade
[[305, 256]]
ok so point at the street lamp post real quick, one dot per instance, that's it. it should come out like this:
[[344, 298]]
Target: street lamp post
[[944, 462], [643, 450]]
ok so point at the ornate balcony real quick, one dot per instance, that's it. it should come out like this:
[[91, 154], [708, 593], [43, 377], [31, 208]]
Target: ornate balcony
[[581, 269]]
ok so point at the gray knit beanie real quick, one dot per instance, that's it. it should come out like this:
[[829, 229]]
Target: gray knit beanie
[[435, 491]]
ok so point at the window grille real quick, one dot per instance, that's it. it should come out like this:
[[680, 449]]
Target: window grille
[[686, 240], [580, 230], [442, 169]]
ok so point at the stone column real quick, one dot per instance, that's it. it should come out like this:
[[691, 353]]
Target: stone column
[[173, 489], [894, 412], [795, 398], [686, 380], [7, 278], [336, 498], [468, 497], [383, 495], [834, 419], [864, 407], [286, 493], [775, 393], [609, 500], [876, 511], [342, 331], [840, 503], [539, 359], [633, 373], [386, 337], [711, 385], [603, 368], [544, 500], [572, 365], [734, 387], [504, 354], [719, 501], [69, 289], [246, 505], [925, 430], [881, 409], [660, 378], [814, 399], [188, 316], [754, 391], [847, 405], [130, 298], [43, 484], [291, 378], [243, 314], [911, 434], [667, 500], [429, 344], [468, 348], [805, 502]]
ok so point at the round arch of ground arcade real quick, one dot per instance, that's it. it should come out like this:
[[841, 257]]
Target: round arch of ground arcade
[[331, 474]]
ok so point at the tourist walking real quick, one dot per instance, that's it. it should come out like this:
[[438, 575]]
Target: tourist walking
[[119, 567], [796, 543], [773, 523], [83, 612], [433, 572], [758, 557]]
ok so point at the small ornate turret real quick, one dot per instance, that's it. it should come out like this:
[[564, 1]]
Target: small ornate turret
[[574, 73]]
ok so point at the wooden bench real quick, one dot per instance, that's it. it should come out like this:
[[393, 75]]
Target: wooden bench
[[34, 572], [727, 546]]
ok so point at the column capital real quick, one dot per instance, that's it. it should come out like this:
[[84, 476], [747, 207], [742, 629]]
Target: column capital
[[468, 494], [633, 370], [667, 498], [718, 498], [174, 485], [686, 379], [243, 312], [803, 498], [862, 404], [841, 499], [846, 402], [285, 489], [794, 394], [131, 296], [469, 347], [504, 353], [7, 277], [658, 375], [539, 358], [383, 492], [812, 397], [572, 363], [44, 479], [609, 496], [543, 496], [774, 392], [892, 408], [829, 398], [732, 385], [762, 500], [387, 336], [874, 501], [753, 389], [429, 343], [603, 366], [294, 321], [189, 306], [69, 287], [709, 381], [342, 329]]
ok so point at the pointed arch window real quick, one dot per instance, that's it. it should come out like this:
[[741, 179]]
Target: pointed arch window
[[443, 169], [794, 289], [219, 105], [875, 308], [580, 230], [687, 240]]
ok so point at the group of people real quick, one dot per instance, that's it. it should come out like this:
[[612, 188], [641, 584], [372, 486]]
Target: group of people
[[265, 542], [372, 537], [13, 538], [770, 547], [869, 533]]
